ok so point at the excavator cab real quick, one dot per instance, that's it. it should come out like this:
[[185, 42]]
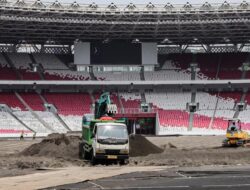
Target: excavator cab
[[235, 136], [234, 125]]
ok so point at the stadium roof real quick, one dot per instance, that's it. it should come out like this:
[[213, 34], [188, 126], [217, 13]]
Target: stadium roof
[[39, 22]]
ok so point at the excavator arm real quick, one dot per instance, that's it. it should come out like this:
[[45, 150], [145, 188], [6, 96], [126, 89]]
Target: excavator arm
[[104, 106]]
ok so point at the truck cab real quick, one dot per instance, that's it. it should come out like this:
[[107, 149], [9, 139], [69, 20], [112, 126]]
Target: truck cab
[[104, 139], [110, 141]]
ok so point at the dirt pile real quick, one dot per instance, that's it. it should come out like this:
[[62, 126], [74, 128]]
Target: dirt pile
[[56, 146], [62, 146], [195, 157], [140, 146]]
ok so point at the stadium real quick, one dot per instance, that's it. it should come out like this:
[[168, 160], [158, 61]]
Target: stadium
[[170, 69]]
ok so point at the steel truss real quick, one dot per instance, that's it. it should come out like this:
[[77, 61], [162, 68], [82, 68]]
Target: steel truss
[[38, 23]]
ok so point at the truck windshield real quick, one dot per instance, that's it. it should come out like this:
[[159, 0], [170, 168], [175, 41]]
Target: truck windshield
[[112, 131]]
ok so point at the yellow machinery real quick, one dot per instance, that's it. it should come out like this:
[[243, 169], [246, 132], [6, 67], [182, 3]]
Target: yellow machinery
[[235, 136]]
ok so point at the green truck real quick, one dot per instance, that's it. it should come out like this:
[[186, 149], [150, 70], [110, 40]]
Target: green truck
[[103, 137]]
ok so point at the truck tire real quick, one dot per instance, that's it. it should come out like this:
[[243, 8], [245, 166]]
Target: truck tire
[[93, 159], [81, 150], [122, 162], [86, 154]]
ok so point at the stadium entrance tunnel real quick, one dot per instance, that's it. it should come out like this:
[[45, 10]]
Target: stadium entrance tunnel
[[140, 123]]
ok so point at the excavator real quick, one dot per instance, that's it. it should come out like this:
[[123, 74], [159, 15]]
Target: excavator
[[235, 136], [103, 137]]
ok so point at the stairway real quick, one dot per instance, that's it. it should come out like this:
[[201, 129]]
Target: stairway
[[120, 102], [242, 99], [91, 73], [142, 76], [143, 98]]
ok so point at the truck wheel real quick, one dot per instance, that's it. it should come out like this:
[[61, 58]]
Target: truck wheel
[[93, 159], [81, 150], [86, 155], [83, 154], [122, 162]]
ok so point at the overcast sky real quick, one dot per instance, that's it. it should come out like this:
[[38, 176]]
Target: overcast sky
[[146, 1]]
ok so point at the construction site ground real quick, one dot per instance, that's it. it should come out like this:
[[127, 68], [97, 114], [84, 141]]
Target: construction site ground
[[53, 161]]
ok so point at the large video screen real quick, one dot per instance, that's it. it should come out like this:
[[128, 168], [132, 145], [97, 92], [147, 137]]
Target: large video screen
[[115, 53]]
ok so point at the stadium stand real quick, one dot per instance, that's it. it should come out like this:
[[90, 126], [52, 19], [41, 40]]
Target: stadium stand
[[6, 73], [221, 59], [31, 121], [118, 76], [9, 126], [11, 100], [33, 100], [52, 121], [70, 103]]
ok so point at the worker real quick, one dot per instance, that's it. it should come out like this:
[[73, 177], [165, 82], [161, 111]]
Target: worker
[[34, 136], [22, 135]]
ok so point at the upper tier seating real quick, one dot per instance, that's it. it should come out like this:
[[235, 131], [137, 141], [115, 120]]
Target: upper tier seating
[[175, 67], [118, 76], [66, 75], [228, 63], [22, 62], [6, 73], [49, 61]]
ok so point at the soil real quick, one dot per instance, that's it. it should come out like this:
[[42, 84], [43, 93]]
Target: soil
[[55, 146], [59, 150], [195, 157], [141, 146]]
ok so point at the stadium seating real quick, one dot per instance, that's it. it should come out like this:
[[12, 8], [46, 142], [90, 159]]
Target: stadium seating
[[33, 100], [175, 67], [244, 116], [9, 125], [49, 61], [118, 76], [130, 101], [70, 103], [22, 62], [66, 75], [6, 73], [31, 121], [221, 65], [11, 100], [52, 121], [73, 122], [171, 105]]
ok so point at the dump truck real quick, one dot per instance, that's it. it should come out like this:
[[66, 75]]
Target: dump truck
[[103, 137], [235, 136]]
